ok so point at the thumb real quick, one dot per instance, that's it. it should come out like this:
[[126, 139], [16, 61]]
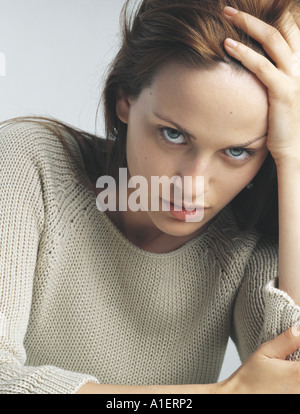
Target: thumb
[[283, 345]]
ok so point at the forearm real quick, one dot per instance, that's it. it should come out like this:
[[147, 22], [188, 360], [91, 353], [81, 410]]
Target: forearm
[[289, 227], [218, 388]]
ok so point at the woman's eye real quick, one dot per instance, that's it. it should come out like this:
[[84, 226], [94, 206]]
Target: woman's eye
[[173, 136], [239, 154]]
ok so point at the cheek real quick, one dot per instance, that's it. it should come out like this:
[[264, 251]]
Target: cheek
[[140, 154], [230, 185], [144, 155], [234, 183]]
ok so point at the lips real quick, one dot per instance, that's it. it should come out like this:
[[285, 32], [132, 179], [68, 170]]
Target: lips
[[191, 215], [187, 207]]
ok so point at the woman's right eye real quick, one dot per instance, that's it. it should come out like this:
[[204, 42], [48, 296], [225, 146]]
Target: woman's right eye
[[173, 136]]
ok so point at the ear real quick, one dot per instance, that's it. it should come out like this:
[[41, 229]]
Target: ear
[[123, 107]]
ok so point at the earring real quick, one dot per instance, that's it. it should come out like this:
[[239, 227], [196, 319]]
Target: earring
[[250, 186]]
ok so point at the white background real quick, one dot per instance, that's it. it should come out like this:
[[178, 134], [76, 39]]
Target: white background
[[56, 53]]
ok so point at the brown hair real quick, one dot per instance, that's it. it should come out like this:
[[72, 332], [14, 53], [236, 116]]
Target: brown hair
[[193, 32]]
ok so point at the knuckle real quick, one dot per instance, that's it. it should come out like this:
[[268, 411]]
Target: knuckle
[[244, 21], [287, 335], [287, 94], [244, 52], [272, 35], [263, 348], [263, 65]]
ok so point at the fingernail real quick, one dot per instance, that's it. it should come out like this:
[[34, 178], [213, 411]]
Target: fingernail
[[230, 11], [231, 43], [296, 331]]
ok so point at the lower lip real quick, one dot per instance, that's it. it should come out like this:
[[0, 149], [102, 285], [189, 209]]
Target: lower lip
[[185, 215]]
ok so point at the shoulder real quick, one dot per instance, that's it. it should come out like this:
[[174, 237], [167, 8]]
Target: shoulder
[[22, 135], [241, 247], [37, 156], [28, 143], [41, 145], [58, 145]]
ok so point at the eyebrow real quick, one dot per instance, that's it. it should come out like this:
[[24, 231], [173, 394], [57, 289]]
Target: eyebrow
[[186, 132]]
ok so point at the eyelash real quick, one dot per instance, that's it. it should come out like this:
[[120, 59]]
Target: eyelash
[[162, 136], [161, 131], [250, 152]]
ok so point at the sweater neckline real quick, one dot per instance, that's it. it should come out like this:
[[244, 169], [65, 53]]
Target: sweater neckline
[[115, 232]]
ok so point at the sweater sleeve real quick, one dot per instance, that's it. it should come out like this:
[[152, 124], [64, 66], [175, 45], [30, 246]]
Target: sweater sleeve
[[21, 226], [261, 310]]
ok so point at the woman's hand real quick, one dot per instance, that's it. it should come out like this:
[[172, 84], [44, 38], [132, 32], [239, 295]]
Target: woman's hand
[[267, 371], [282, 80]]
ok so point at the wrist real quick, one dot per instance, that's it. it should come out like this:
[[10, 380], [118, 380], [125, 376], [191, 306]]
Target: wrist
[[229, 386], [288, 161]]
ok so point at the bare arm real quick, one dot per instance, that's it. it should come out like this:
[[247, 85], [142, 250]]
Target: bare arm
[[283, 84], [289, 227]]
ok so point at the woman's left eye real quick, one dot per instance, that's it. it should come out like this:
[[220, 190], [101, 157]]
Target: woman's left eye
[[173, 136], [238, 154]]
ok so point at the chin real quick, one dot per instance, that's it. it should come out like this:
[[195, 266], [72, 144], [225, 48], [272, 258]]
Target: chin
[[176, 228]]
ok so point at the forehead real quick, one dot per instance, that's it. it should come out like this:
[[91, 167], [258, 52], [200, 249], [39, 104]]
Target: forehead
[[218, 103]]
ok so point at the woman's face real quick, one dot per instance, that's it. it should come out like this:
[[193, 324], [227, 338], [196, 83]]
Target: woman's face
[[191, 123]]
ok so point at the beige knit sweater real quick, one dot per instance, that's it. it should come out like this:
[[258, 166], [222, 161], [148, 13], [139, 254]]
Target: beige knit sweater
[[79, 302]]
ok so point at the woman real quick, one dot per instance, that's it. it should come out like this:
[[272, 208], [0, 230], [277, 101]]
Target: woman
[[144, 301]]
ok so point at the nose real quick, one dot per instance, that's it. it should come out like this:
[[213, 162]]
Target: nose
[[196, 173]]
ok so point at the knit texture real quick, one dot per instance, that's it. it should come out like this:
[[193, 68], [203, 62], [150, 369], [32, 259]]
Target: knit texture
[[80, 303]]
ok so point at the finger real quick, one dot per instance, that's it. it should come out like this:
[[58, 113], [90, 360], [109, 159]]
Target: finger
[[269, 75], [270, 38], [290, 31], [283, 345]]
